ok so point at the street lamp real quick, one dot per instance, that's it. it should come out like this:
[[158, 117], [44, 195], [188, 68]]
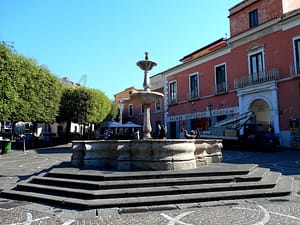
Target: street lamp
[[209, 108], [121, 107]]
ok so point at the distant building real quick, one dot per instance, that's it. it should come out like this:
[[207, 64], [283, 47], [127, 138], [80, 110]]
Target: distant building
[[132, 111], [67, 82], [124, 95]]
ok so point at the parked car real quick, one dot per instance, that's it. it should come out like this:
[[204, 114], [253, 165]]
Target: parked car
[[259, 135], [31, 141]]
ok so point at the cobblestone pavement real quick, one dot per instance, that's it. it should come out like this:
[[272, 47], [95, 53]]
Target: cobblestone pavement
[[238, 212], [18, 165], [285, 161], [284, 210]]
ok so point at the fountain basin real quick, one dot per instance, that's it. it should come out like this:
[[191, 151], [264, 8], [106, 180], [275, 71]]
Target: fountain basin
[[155, 154], [146, 97]]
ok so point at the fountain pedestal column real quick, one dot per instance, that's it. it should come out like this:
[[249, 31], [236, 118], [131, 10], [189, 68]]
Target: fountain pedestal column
[[147, 124], [147, 96]]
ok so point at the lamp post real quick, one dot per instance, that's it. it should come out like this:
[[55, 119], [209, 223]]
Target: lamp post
[[121, 108], [121, 105], [209, 108]]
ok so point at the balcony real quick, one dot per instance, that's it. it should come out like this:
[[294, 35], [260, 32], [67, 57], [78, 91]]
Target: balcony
[[221, 88], [257, 78]]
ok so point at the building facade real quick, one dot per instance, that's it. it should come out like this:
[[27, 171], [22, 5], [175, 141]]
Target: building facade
[[132, 111], [256, 69]]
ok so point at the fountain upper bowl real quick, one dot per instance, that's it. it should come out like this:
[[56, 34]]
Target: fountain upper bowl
[[146, 97]]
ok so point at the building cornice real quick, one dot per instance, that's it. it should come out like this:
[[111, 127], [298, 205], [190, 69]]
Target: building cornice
[[196, 62], [290, 20], [287, 21], [255, 33]]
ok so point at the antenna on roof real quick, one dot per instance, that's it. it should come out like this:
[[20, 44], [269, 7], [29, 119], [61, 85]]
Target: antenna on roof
[[82, 80]]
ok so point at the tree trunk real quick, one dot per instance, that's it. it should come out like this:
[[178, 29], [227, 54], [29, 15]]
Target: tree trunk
[[68, 131]]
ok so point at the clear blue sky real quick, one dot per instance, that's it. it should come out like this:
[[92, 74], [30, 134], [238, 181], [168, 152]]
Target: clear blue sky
[[104, 39]]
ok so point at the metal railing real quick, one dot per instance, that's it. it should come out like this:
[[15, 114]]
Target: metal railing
[[257, 78]]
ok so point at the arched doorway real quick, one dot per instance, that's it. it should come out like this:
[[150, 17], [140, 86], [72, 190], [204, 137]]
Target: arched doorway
[[263, 101], [262, 111]]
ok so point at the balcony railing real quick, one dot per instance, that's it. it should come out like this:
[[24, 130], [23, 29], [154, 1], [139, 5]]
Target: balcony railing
[[221, 88], [257, 78]]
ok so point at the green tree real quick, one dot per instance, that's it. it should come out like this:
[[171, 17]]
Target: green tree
[[8, 93], [114, 112], [83, 105], [28, 91], [99, 106]]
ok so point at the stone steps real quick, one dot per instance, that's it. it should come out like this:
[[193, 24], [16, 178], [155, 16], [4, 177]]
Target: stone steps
[[268, 181], [129, 189], [96, 175], [255, 175]]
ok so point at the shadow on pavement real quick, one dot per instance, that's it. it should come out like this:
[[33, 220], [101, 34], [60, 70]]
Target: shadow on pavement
[[284, 161], [54, 150]]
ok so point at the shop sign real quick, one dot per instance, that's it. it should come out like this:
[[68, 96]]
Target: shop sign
[[216, 112]]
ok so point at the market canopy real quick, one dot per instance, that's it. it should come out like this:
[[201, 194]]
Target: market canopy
[[111, 124], [114, 124], [131, 124]]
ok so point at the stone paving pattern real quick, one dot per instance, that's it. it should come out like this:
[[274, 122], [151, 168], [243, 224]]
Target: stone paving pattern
[[284, 210]]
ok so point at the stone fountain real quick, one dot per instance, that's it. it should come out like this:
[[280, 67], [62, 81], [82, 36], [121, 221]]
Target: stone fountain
[[148, 153], [147, 96]]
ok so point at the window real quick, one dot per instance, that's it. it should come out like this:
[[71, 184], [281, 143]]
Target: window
[[194, 86], [130, 110], [158, 105], [221, 84], [173, 92], [256, 66], [253, 18], [297, 54]]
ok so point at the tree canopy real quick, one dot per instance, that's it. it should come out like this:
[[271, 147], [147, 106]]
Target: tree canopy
[[114, 112], [83, 105], [28, 91]]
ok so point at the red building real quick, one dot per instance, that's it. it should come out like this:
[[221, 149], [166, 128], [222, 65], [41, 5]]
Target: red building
[[257, 69], [131, 110], [253, 70]]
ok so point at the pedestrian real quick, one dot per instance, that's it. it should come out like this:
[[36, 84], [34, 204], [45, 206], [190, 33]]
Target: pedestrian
[[97, 133], [181, 135]]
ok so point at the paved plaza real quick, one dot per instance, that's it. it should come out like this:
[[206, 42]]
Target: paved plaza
[[19, 165]]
